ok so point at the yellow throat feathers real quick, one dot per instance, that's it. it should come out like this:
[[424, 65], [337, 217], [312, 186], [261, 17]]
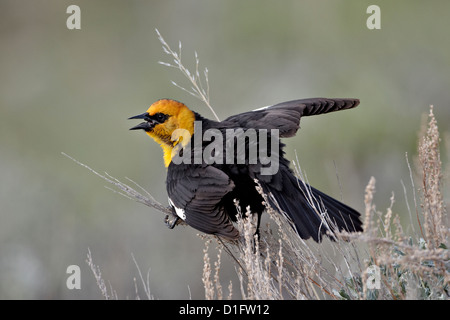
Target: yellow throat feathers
[[178, 128]]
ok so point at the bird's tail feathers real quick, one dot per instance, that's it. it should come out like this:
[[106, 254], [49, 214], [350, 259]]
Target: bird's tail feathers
[[313, 213]]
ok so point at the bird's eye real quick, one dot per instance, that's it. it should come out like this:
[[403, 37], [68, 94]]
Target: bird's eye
[[160, 117]]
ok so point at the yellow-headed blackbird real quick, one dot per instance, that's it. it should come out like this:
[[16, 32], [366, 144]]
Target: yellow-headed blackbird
[[211, 164]]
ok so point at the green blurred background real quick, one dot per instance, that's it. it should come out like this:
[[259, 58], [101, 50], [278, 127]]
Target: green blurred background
[[72, 90]]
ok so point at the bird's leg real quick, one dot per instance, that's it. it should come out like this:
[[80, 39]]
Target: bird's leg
[[171, 220], [256, 235], [258, 223]]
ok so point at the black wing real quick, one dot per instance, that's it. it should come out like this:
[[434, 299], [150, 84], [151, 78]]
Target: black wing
[[286, 116], [196, 193]]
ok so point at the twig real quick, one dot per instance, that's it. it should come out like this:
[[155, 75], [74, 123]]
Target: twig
[[414, 194], [98, 278], [129, 192], [145, 284], [197, 89]]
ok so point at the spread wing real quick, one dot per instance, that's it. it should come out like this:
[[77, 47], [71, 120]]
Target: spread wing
[[196, 193], [286, 116]]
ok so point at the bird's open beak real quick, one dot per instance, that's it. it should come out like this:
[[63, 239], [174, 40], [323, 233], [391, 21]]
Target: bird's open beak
[[146, 125], [140, 116]]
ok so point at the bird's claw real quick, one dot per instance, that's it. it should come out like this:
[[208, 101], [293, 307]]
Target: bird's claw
[[171, 220]]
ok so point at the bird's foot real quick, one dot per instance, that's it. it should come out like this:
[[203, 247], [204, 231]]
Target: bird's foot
[[171, 220]]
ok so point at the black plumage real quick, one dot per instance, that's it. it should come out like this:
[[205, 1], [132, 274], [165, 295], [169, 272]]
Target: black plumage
[[203, 194]]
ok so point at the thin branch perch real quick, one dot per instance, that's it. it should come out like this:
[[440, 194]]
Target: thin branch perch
[[127, 191]]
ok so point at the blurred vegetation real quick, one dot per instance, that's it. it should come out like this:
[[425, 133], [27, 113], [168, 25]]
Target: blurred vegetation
[[72, 90]]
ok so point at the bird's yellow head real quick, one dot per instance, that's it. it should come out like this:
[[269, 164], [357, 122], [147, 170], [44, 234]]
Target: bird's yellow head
[[169, 123]]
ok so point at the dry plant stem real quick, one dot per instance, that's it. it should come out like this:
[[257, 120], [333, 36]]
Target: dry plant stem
[[98, 278], [197, 89], [145, 284], [206, 278], [212, 285], [128, 191], [415, 198], [432, 204], [217, 284]]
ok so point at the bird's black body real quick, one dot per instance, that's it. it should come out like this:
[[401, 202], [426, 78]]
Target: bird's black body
[[203, 194]]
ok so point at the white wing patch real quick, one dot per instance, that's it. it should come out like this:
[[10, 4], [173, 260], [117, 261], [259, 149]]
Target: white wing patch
[[263, 108], [178, 211]]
